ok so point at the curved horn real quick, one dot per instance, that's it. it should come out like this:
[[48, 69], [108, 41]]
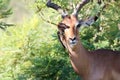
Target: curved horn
[[56, 7], [79, 6]]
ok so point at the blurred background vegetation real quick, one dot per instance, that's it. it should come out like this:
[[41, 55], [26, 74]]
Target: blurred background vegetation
[[29, 48]]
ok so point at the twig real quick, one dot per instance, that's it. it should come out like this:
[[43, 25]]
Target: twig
[[42, 17]]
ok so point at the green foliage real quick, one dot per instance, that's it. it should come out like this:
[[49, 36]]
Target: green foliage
[[5, 11], [108, 28], [28, 53], [47, 58]]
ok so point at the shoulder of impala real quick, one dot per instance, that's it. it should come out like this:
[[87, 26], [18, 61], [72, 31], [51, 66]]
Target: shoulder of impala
[[90, 65]]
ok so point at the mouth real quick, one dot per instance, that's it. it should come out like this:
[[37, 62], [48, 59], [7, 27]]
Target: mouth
[[73, 43]]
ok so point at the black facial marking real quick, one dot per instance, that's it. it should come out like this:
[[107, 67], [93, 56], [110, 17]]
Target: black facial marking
[[78, 25], [62, 26], [58, 33]]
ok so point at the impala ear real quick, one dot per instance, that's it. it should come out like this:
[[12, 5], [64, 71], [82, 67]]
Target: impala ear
[[62, 26], [89, 21]]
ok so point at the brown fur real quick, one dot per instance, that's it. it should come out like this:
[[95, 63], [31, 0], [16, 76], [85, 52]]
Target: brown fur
[[90, 65]]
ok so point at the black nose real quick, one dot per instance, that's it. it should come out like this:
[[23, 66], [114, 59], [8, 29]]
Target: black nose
[[73, 38]]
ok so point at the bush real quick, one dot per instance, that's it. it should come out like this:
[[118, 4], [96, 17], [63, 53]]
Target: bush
[[32, 54]]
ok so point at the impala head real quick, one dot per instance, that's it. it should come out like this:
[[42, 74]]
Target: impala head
[[69, 26]]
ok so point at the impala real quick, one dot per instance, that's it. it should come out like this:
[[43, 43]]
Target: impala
[[100, 64]]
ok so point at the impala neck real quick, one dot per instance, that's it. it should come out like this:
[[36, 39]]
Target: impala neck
[[78, 49], [79, 58]]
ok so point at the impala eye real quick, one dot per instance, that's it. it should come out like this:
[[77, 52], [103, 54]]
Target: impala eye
[[78, 25]]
